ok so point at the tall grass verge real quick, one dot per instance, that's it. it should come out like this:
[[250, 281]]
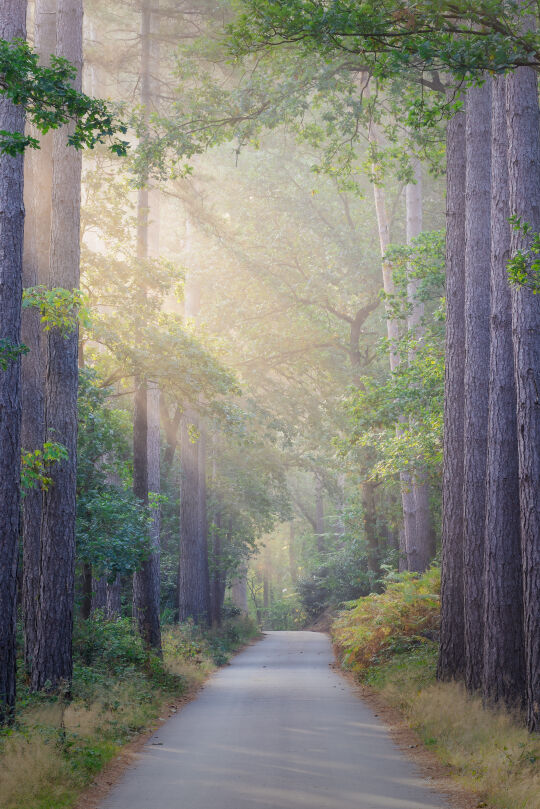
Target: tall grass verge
[[57, 747], [388, 641]]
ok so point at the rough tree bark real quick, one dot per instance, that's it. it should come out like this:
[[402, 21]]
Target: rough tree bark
[[37, 237], [504, 661], [477, 324], [452, 648], [53, 659], [12, 25], [523, 121]]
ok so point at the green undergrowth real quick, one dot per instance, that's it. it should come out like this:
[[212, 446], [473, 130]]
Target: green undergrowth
[[389, 641], [57, 746]]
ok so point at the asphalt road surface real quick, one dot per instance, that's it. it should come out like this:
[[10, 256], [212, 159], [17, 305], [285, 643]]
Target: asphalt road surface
[[278, 729]]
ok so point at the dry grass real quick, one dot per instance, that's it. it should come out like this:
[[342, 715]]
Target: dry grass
[[490, 750], [56, 749], [31, 768], [383, 639]]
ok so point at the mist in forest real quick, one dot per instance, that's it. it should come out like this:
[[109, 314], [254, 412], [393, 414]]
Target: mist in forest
[[269, 358]]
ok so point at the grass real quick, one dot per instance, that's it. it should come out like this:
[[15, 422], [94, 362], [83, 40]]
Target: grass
[[489, 751], [56, 747]]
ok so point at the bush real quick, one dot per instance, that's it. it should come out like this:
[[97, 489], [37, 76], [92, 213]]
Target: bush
[[342, 577], [108, 646], [287, 613], [404, 616]]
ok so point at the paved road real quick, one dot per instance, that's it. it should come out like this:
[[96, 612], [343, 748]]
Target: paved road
[[278, 729]]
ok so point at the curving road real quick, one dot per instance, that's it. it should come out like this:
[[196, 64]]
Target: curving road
[[278, 729]]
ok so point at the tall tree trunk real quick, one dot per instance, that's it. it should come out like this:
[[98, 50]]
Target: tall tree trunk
[[370, 526], [146, 581], [477, 324], [293, 564], [319, 515], [421, 551], [37, 237], [217, 568], [239, 593], [452, 644], [193, 576], [392, 331], [99, 595], [86, 587], [193, 596], [53, 658], [114, 598], [523, 122], [340, 517], [504, 660], [12, 25]]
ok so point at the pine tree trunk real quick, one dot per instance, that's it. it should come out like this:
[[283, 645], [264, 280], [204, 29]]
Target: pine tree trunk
[[114, 598], [146, 581], [452, 648], [217, 569], [477, 324], [203, 518], [12, 25], [523, 123], [369, 514], [319, 516], [239, 592], [504, 661], [37, 236], [99, 595], [293, 564], [193, 576], [86, 587], [193, 596], [53, 659]]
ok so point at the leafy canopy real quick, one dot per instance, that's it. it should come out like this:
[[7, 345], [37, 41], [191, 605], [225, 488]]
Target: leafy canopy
[[50, 101]]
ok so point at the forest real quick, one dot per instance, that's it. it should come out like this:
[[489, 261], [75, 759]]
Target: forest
[[269, 341]]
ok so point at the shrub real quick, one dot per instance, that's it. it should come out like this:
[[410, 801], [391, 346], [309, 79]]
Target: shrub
[[374, 627], [105, 645]]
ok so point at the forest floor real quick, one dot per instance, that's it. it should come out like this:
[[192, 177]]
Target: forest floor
[[59, 754]]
